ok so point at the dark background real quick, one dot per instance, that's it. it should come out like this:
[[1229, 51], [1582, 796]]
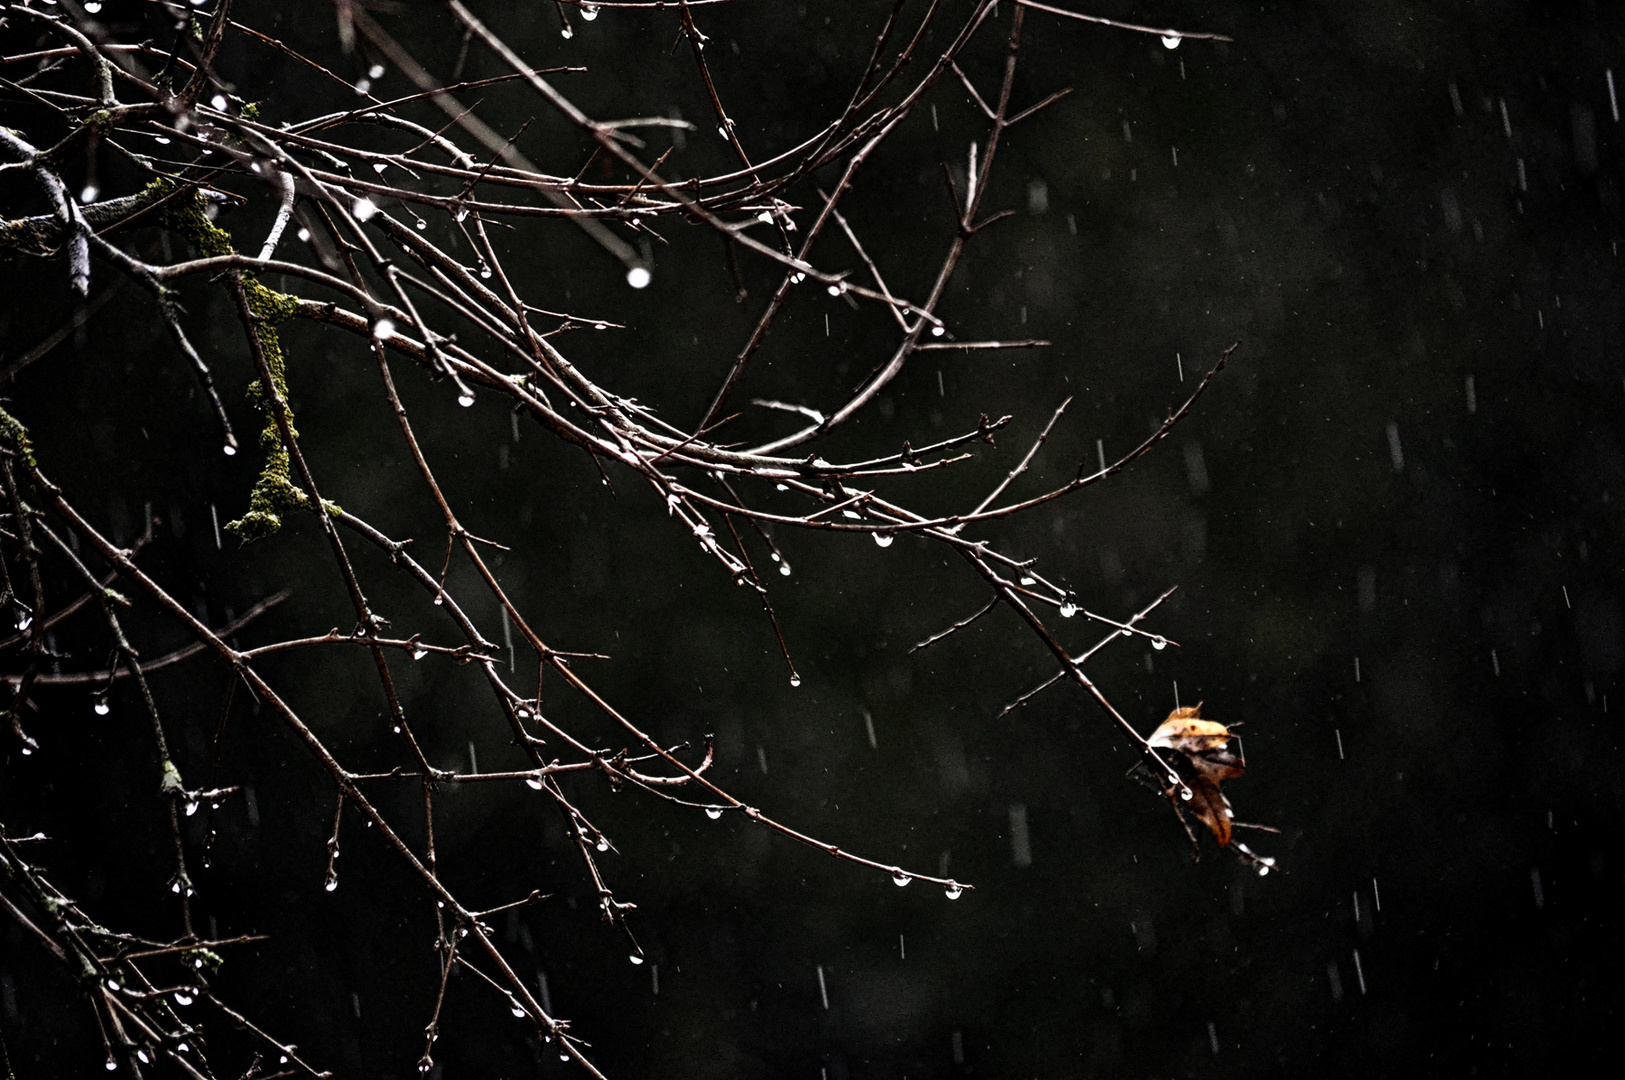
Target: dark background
[[1339, 503]]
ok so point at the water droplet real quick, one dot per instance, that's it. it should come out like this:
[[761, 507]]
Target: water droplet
[[516, 1010], [364, 209], [419, 653], [1263, 871], [883, 539], [1027, 579], [1068, 609], [1185, 793], [142, 1054], [600, 326], [938, 331], [439, 598], [954, 890], [563, 1056], [785, 569], [191, 808], [795, 680], [379, 167], [24, 622], [422, 225], [376, 71], [1126, 632], [602, 845], [218, 102], [362, 86], [112, 1066], [835, 290], [102, 708], [1170, 41], [183, 998], [331, 883], [485, 271], [230, 450], [175, 887], [92, 7], [589, 12], [397, 729], [27, 750], [722, 131], [382, 329], [183, 1048], [637, 277], [780, 487], [88, 195], [465, 399], [1159, 643], [713, 812], [567, 32], [853, 514], [797, 278], [899, 878], [304, 234], [635, 958], [765, 217], [775, 555]]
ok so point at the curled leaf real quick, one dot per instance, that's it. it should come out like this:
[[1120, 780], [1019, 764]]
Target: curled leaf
[[1202, 758]]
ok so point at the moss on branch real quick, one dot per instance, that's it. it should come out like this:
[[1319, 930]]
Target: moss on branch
[[13, 432], [275, 493]]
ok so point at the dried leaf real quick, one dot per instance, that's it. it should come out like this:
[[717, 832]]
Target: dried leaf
[[1202, 758]]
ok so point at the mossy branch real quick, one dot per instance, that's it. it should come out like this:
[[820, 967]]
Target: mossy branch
[[16, 435], [275, 493], [42, 234]]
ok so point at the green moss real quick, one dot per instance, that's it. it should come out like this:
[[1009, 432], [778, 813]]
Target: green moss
[[275, 493], [208, 957], [13, 432], [155, 189], [186, 216], [271, 306], [250, 111]]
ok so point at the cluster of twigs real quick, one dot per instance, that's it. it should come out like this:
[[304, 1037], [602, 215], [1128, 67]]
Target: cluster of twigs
[[378, 275]]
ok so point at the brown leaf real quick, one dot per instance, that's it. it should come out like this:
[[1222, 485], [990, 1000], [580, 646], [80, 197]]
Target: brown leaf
[[1202, 758]]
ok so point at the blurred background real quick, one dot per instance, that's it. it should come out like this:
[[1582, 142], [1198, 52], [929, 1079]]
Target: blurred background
[[1393, 521]]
